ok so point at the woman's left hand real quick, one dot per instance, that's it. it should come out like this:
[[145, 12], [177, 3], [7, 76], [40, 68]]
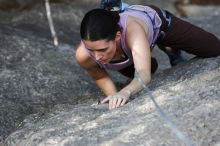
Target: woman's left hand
[[117, 100]]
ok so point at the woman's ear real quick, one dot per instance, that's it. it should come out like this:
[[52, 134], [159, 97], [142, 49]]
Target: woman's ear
[[118, 36]]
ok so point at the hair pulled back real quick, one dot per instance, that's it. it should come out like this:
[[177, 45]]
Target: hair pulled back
[[99, 24]]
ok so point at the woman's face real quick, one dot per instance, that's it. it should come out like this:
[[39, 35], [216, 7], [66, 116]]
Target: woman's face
[[102, 50]]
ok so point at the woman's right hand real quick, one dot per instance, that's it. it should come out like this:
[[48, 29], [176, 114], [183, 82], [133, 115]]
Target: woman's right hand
[[117, 100]]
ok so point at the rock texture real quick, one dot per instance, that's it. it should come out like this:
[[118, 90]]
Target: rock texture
[[35, 75], [14, 5], [46, 99], [195, 7], [190, 97]]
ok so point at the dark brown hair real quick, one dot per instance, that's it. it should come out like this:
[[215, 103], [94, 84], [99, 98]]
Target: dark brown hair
[[99, 24]]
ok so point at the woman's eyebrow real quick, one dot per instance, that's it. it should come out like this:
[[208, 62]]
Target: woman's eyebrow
[[97, 49]]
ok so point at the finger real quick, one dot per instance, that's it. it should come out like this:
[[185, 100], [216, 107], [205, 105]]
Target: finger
[[119, 102], [114, 102], [105, 100], [110, 103], [123, 102]]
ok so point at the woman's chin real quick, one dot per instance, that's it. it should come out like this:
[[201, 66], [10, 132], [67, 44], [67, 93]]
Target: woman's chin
[[104, 61]]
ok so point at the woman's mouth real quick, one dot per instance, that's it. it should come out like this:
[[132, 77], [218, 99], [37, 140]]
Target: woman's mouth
[[103, 61]]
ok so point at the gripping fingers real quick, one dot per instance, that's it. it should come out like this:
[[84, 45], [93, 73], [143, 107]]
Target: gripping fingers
[[110, 103], [119, 102], [123, 102], [114, 102], [106, 99]]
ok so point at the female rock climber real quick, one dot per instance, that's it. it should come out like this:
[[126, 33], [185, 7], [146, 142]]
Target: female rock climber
[[122, 41]]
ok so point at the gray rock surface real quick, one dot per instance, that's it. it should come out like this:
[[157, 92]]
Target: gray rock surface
[[43, 86], [35, 75], [190, 97]]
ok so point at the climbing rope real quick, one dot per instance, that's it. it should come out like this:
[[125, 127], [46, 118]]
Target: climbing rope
[[187, 140]]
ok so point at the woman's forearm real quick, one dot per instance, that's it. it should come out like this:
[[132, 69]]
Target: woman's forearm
[[135, 86], [106, 85]]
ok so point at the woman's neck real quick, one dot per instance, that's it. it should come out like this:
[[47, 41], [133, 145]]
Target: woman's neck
[[119, 54]]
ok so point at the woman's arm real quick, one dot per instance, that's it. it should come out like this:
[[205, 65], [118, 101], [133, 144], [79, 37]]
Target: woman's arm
[[101, 77], [103, 80], [137, 41]]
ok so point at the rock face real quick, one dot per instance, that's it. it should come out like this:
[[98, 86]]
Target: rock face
[[13, 5], [199, 2], [43, 86], [189, 94], [195, 7], [35, 75]]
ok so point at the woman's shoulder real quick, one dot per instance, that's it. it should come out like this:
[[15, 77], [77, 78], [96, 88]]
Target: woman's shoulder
[[135, 25], [82, 57]]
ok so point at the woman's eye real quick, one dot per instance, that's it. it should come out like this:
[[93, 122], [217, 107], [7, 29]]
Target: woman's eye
[[103, 50], [99, 50]]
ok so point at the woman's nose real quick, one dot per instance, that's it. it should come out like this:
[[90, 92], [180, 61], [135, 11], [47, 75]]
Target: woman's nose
[[97, 55]]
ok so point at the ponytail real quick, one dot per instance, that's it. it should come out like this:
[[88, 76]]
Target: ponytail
[[102, 23], [99, 24]]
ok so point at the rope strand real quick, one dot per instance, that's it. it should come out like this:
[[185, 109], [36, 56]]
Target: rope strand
[[50, 21], [187, 140]]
